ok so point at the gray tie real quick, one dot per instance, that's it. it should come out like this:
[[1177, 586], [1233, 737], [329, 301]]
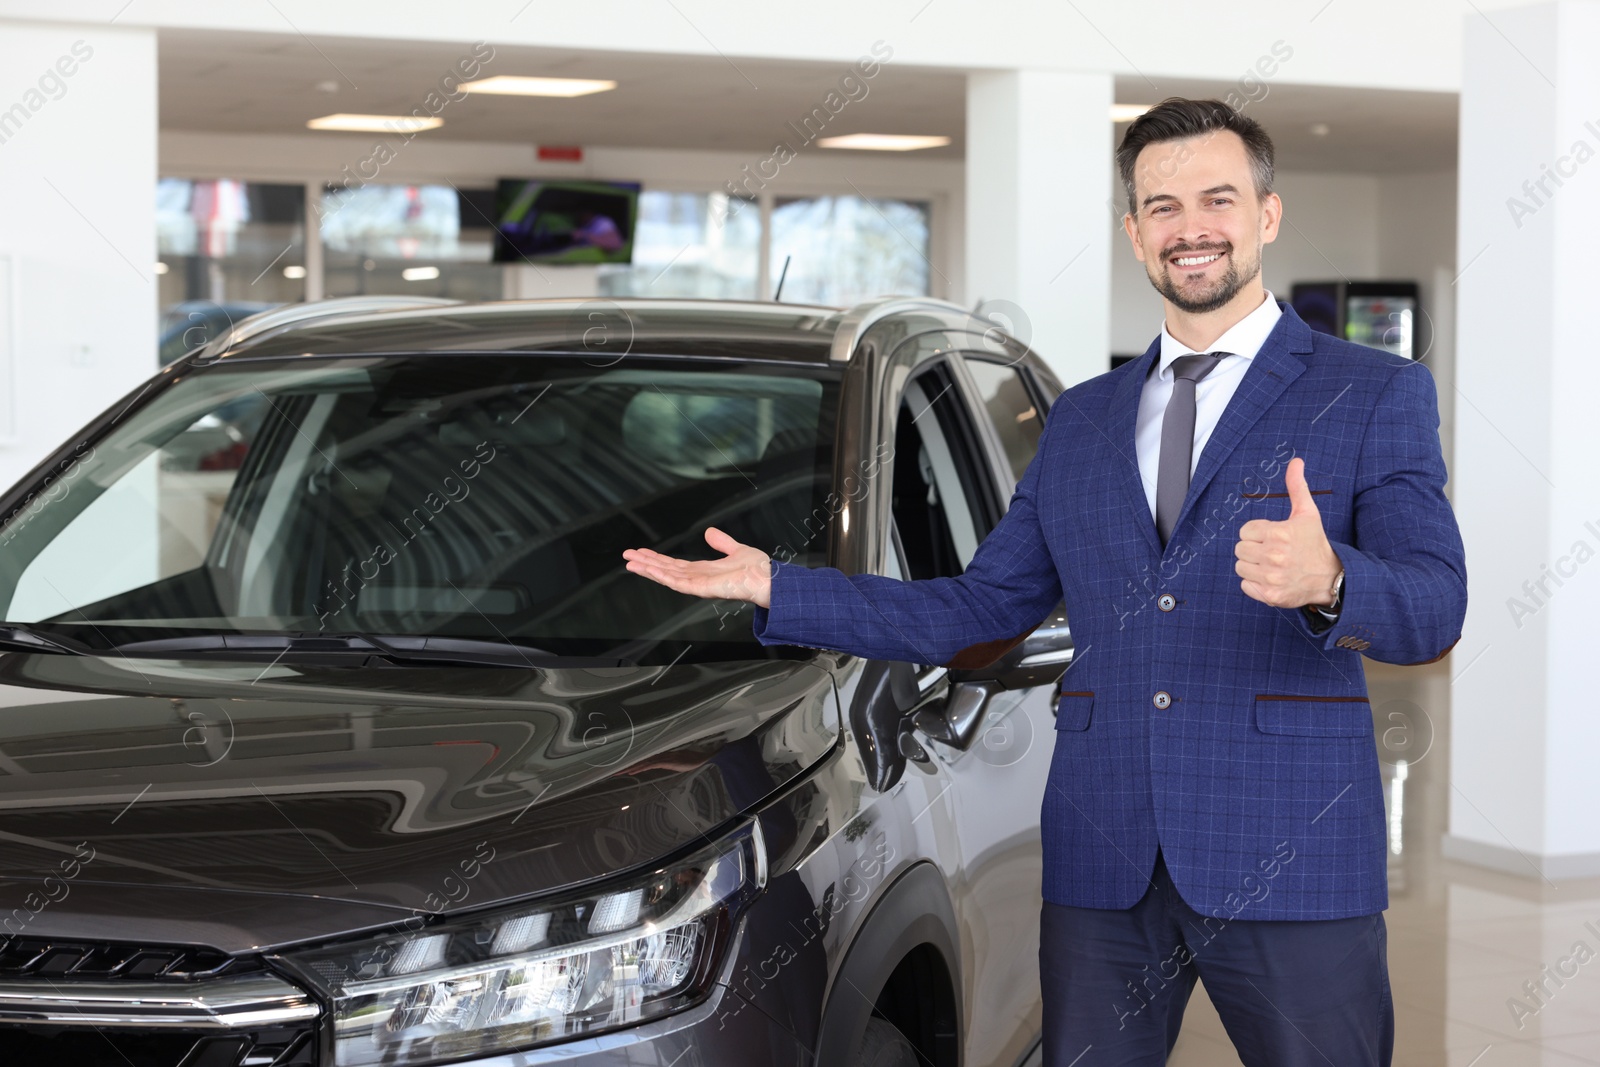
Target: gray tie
[[1177, 439]]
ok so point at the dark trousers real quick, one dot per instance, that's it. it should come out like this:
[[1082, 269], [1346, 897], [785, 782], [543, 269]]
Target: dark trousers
[[1290, 994]]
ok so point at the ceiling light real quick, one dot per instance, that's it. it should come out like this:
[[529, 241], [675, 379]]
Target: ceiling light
[[161, 268], [420, 274], [1320, 129], [883, 142], [1128, 112], [376, 123], [511, 85], [294, 270]]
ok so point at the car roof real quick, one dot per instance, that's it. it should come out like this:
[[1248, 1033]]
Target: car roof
[[598, 327]]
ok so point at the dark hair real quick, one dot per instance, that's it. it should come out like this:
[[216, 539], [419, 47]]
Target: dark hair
[[1177, 118]]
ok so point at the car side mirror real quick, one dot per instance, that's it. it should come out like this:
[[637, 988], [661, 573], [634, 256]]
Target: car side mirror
[[886, 691], [1039, 657]]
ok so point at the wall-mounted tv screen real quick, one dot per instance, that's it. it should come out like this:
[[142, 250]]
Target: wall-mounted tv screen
[[565, 221]]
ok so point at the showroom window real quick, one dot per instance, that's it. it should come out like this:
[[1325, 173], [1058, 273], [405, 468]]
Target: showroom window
[[409, 240], [230, 248], [703, 245], [845, 249], [225, 249]]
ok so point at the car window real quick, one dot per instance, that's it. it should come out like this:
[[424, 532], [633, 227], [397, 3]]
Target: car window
[[465, 496], [1012, 410], [893, 555], [938, 495], [698, 434], [111, 546]]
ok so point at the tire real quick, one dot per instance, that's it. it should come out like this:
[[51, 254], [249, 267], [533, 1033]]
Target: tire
[[884, 1046]]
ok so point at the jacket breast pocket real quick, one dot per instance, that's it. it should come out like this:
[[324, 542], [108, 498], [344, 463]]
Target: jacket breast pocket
[[1074, 710], [1313, 716]]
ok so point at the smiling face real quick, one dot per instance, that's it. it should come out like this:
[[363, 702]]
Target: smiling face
[[1200, 226]]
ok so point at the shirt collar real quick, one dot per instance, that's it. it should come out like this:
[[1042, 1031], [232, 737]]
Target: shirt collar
[[1244, 338]]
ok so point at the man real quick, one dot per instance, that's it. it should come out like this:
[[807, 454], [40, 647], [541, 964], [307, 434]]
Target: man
[[1232, 520]]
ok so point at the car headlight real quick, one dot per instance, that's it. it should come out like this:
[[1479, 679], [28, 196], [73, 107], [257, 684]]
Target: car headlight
[[517, 977]]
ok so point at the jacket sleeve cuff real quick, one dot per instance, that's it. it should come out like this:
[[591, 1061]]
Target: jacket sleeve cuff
[[1346, 631], [1319, 618], [1321, 623], [778, 625]]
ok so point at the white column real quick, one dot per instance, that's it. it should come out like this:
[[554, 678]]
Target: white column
[[316, 264], [1525, 731], [528, 281], [78, 243], [1039, 147]]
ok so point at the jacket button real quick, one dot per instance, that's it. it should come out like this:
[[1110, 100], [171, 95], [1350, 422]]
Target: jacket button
[[1167, 602], [1163, 700]]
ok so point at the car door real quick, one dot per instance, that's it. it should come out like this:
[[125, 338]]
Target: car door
[[1011, 755], [947, 495]]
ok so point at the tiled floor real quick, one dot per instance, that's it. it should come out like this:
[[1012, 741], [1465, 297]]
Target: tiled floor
[[1462, 940]]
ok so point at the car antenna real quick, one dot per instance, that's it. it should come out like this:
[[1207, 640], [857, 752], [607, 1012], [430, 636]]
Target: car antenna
[[777, 294]]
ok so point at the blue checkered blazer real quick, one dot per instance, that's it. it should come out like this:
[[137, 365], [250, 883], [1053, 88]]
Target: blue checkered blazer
[[1259, 779]]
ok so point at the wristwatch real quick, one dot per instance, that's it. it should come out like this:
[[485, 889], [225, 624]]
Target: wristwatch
[[1331, 612]]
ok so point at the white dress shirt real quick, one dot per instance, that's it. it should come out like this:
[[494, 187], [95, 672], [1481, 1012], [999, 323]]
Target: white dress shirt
[[1211, 394]]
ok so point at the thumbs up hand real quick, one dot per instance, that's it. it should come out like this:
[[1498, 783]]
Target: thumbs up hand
[[1288, 564]]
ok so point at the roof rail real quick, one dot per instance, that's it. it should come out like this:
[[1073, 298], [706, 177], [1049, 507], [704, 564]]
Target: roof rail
[[289, 314], [855, 322]]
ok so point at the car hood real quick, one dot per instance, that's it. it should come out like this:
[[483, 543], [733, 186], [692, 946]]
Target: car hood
[[217, 803]]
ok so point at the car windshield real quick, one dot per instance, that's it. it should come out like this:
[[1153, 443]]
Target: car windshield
[[452, 496]]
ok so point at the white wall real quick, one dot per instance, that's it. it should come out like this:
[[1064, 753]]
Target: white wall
[[77, 177], [1525, 733], [1416, 234]]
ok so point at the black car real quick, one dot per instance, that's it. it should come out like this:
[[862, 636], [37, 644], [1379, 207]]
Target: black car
[[334, 731]]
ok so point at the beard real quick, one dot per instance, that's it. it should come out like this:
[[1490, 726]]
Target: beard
[[1200, 296]]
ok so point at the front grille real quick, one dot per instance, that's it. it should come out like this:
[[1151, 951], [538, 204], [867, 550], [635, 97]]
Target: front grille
[[76, 1046], [38, 957], [87, 1004]]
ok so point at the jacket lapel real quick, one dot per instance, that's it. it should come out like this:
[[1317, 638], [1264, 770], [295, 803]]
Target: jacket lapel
[[1119, 427], [1268, 375]]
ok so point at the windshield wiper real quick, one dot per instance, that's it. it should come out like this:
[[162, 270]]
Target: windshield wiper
[[406, 649], [470, 650], [14, 638]]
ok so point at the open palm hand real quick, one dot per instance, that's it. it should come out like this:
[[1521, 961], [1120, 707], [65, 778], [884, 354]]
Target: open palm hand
[[744, 572]]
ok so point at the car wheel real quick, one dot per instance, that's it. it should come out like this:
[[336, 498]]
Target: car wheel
[[884, 1046]]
